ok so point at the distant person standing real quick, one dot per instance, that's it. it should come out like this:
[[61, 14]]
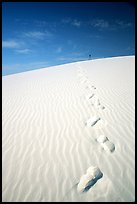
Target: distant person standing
[[89, 57]]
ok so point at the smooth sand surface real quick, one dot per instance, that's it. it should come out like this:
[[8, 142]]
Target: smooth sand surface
[[47, 145]]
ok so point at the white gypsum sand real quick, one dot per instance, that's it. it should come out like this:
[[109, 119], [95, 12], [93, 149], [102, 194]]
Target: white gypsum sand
[[46, 144]]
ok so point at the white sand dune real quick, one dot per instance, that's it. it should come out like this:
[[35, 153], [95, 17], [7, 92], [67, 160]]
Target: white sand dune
[[46, 144]]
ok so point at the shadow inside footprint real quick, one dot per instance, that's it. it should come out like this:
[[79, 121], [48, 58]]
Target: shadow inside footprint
[[92, 182], [93, 87], [89, 96], [108, 146], [89, 179], [105, 143], [92, 121]]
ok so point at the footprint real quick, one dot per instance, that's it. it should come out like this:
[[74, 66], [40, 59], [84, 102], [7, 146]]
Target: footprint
[[101, 107], [102, 123], [101, 139], [108, 146], [105, 143], [97, 103], [89, 96], [89, 179], [92, 121], [89, 86], [93, 87]]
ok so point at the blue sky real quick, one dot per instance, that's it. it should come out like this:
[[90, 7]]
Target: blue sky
[[43, 34]]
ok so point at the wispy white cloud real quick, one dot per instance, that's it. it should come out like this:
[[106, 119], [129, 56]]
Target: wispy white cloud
[[18, 46], [76, 23], [102, 24], [123, 24], [70, 21], [66, 20], [47, 25], [38, 34], [35, 34], [24, 51], [10, 44], [99, 23]]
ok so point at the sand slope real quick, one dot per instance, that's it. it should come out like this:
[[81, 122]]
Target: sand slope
[[51, 129]]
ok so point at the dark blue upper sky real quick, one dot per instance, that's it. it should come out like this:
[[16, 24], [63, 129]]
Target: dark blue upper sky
[[42, 34]]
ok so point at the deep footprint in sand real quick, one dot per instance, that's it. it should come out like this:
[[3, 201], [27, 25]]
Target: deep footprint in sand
[[92, 121], [89, 86], [89, 96], [101, 107], [93, 87], [107, 145], [97, 104], [89, 179]]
